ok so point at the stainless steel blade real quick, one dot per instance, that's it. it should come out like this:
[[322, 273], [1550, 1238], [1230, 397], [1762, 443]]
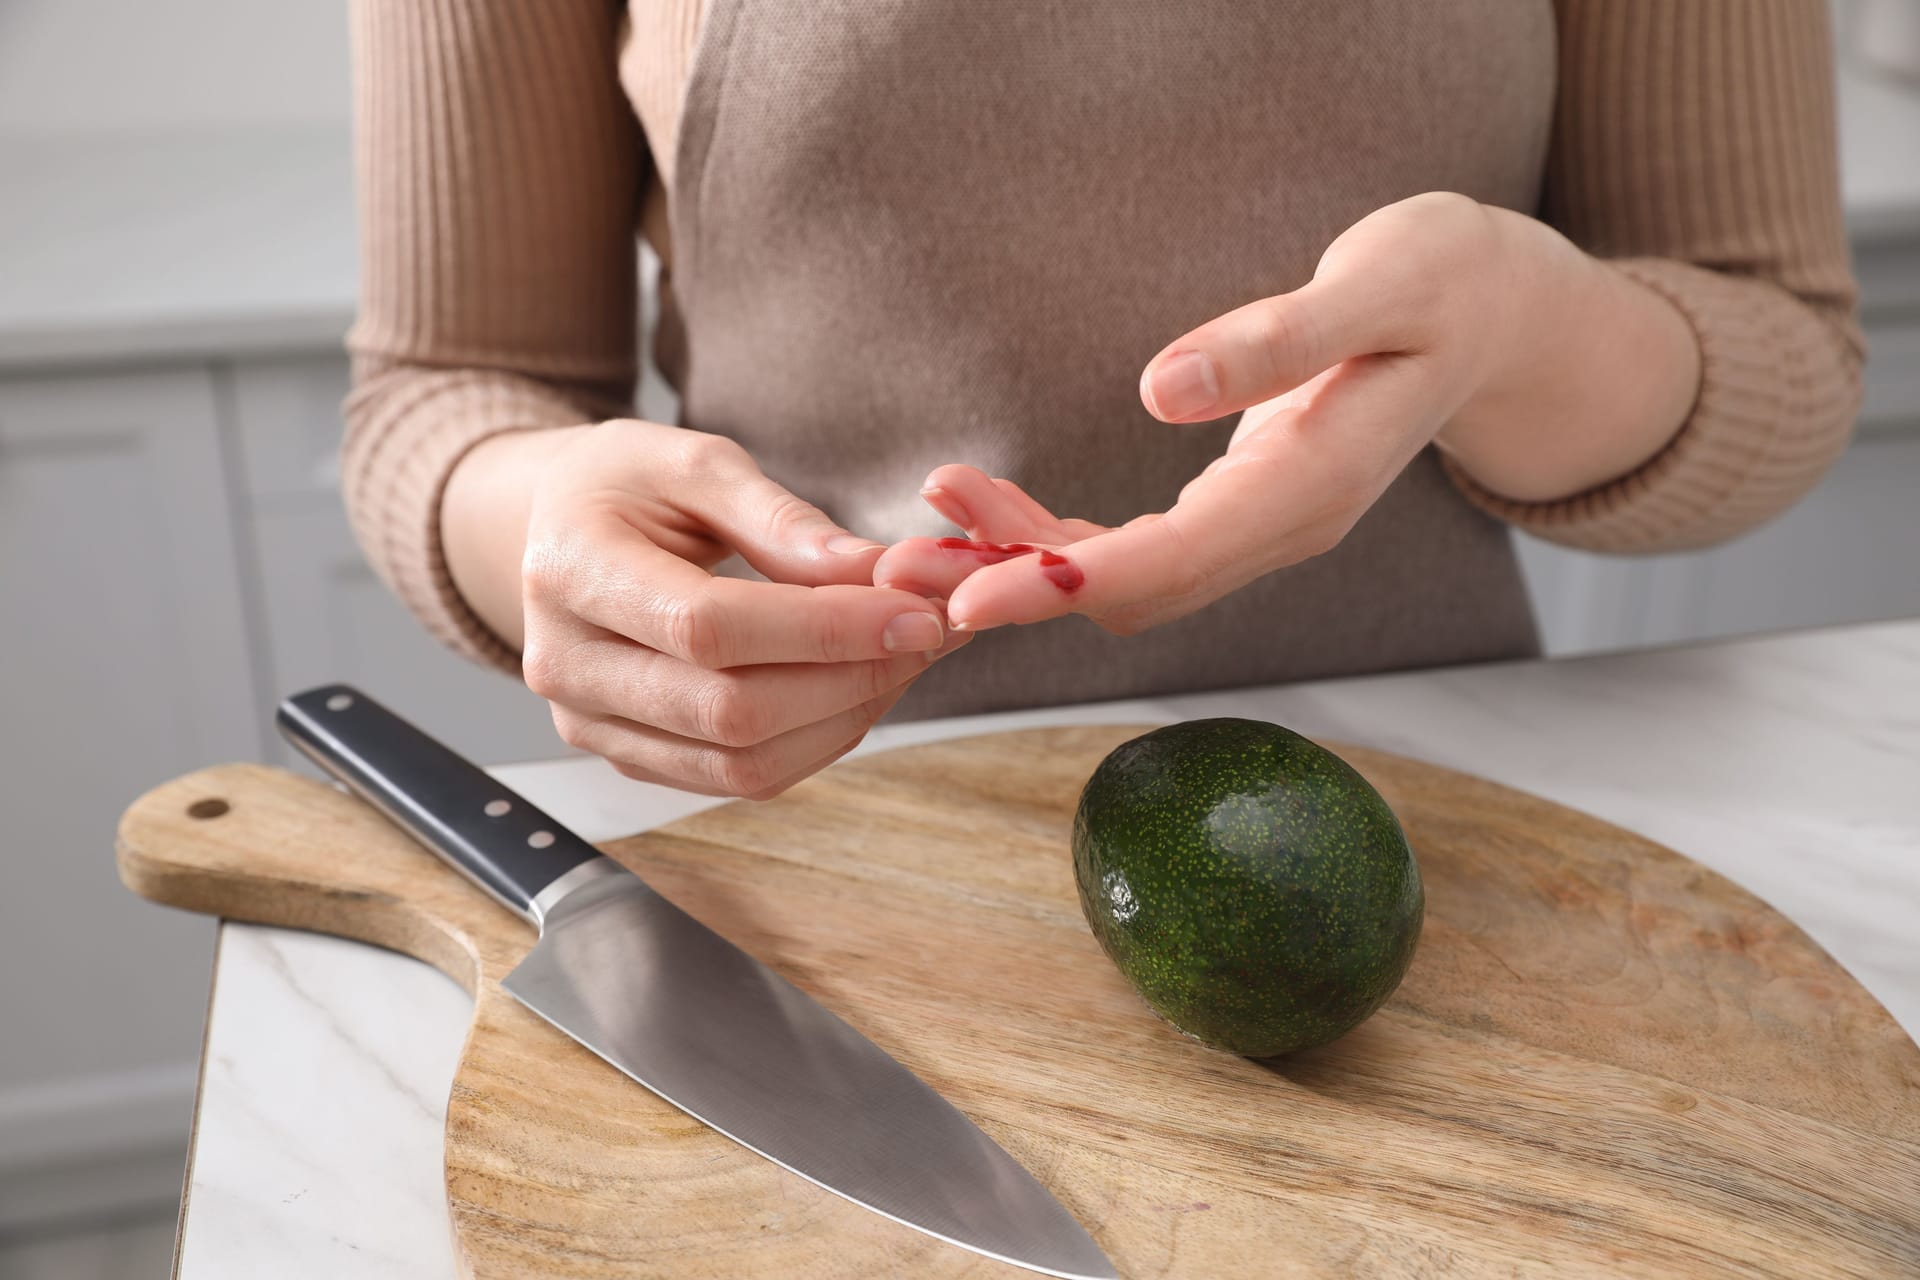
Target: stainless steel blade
[[732, 1043]]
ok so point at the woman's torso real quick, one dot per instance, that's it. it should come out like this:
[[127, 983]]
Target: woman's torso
[[905, 234]]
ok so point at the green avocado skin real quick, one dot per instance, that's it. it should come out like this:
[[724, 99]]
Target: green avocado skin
[[1252, 886]]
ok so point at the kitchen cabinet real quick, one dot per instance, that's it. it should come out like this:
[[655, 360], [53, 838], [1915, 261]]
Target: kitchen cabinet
[[124, 658], [173, 556]]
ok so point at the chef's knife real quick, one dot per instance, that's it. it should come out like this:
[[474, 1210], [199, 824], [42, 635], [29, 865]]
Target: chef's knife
[[689, 1015]]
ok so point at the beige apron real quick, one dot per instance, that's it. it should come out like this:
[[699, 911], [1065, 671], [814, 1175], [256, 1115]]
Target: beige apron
[[909, 232]]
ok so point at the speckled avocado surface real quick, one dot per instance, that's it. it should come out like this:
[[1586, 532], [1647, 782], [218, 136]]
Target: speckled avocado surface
[[1252, 886]]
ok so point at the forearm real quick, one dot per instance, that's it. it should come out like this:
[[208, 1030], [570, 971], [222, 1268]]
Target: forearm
[[407, 428], [483, 522], [1596, 375]]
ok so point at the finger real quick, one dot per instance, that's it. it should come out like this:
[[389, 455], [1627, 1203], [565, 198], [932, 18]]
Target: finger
[[821, 766], [1288, 491], [944, 490], [607, 675], [654, 755], [1047, 526], [934, 567], [1264, 348], [882, 706], [783, 536], [995, 510], [602, 572]]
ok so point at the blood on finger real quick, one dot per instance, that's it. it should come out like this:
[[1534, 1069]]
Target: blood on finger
[[1056, 568], [988, 552], [1062, 572]]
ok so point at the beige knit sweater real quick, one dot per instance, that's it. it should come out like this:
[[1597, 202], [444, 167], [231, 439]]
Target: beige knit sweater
[[504, 167]]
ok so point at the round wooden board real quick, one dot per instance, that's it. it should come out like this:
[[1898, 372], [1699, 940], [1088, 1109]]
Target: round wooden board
[[1605, 1059]]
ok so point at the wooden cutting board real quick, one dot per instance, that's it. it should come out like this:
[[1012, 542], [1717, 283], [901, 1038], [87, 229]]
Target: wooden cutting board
[[1605, 1059]]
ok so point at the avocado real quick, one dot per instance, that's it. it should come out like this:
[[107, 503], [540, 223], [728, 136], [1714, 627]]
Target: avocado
[[1255, 890]]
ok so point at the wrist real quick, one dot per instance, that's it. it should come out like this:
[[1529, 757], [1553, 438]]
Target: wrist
[[483, 515], [1591, 376], [1540, 284]]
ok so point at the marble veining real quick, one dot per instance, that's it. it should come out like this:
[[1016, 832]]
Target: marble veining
[[1789, 764]]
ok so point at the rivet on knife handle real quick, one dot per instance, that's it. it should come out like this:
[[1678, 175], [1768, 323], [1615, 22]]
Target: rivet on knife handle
[[485, 831]]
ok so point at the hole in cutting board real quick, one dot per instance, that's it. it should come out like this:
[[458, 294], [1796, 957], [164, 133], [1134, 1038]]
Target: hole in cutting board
[[339, 702], [204, 809]]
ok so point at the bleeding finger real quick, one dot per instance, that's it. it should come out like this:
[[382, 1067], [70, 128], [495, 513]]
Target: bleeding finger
[[1103, 572], [937, 566], [1225, 531]]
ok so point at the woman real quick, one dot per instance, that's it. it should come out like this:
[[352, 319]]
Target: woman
[[1430, 269]]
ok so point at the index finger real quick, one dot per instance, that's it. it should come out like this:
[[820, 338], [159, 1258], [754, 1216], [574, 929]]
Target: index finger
[[1149, 559], [627, 585], [1230, 525]]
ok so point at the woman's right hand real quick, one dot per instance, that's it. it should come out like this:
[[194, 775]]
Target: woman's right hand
[[590, 548]]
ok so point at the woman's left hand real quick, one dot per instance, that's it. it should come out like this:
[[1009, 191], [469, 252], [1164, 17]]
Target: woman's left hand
[[1540, 369]]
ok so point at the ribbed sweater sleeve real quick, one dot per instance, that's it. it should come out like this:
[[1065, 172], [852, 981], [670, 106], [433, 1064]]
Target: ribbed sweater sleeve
[[499, 172], [1694, 144]]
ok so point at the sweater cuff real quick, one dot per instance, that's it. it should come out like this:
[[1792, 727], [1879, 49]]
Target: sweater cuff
[[404, 440], [1779, 389]]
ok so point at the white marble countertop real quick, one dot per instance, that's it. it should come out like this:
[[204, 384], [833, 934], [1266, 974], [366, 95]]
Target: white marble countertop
[[1790, 764]]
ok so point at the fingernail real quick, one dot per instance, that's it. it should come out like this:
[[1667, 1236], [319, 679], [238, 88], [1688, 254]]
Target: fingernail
[[943, 501], [846, 544], [1183, 386], [913, 633], [955, 637]]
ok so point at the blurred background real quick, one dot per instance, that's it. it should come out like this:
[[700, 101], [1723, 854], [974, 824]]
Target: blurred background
[[176, 273]]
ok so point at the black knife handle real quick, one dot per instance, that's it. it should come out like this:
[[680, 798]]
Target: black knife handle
[[487, 832]]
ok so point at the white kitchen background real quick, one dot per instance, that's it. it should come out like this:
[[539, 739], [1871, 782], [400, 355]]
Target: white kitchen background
[[176, 271]]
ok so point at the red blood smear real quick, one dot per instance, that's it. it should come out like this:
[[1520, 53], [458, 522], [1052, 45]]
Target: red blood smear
[[1060, 571], [988, 552]]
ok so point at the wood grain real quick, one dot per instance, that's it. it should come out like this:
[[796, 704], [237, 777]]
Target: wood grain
[[1605, 1060]]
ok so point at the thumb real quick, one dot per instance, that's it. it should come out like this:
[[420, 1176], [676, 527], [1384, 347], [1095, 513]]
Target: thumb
[[785, 537], [1258, 351]]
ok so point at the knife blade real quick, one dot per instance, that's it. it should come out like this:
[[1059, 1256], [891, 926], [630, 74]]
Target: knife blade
[[686, 1013]]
